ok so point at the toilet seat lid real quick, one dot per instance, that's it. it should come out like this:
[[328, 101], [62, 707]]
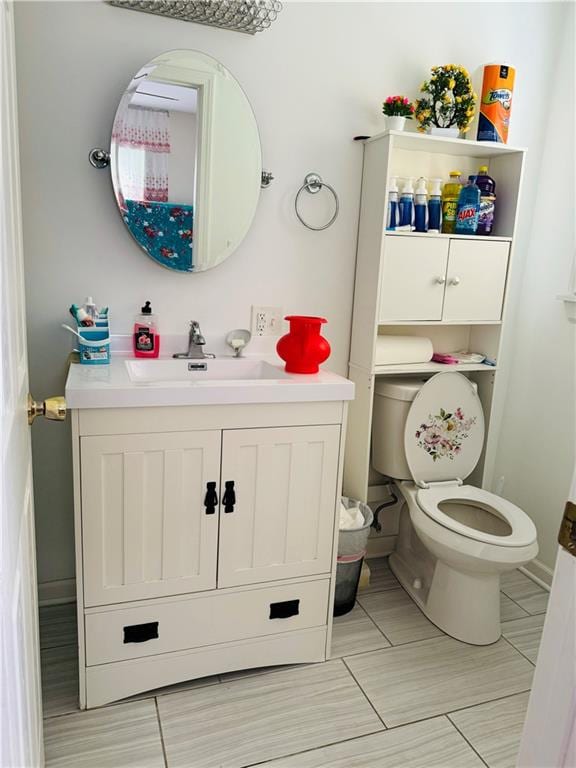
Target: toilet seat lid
[[444, 432]]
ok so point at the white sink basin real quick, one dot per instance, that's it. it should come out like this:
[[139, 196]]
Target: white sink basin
[[205, 371], [129, 383]]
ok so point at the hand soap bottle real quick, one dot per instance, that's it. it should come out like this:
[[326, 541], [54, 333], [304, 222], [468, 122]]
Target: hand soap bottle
[[146, 339]]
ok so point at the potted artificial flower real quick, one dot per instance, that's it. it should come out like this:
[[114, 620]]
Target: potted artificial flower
[[448, 104], [397, 109]]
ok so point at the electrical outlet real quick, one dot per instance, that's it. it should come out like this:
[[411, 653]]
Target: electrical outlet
[[266, 321]]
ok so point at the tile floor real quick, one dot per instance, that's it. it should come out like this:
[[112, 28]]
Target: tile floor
[[397, 692]]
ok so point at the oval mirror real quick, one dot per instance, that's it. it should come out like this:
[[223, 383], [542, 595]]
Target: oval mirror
[[186, 161]]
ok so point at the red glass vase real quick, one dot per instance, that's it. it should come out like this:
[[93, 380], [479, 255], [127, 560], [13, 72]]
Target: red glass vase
[[303, 348]]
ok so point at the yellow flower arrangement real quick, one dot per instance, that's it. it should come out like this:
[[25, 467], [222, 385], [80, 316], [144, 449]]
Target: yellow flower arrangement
[[448, 99]]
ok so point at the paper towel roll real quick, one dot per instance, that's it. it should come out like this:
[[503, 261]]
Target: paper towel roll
[[403, 349]]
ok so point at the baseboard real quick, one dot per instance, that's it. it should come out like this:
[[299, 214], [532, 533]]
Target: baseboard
[[56, 592], [380, 546], [539, 573]]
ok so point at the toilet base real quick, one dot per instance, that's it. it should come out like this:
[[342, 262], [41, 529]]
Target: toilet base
[[465, 606]]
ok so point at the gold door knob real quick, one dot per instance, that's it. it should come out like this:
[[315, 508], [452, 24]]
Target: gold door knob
[[53, 408]]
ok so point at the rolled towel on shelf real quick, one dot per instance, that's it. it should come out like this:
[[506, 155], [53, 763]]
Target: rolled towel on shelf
[[392, 350]]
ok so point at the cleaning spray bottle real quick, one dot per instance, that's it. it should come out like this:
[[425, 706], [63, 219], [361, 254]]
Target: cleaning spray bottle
[[420, 205], [435, 206], [392, 218], [407, 204]]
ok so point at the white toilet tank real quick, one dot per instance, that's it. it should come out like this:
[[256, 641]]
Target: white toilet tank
[[392, 400]]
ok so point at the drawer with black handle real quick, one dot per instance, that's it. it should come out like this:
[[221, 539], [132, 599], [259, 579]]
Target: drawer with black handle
[[173, 624]]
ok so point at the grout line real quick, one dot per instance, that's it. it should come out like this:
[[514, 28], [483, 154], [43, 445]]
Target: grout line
[[272, 760], [364, 694], [472, 747], [161, 733], [511, 644], [377, 627]]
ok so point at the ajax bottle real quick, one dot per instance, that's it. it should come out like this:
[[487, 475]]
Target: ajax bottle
[[468, 209], [487, 187], [450, 195], [392, 219], [407, 204], [420, 205], [146, 339], [435, 206]]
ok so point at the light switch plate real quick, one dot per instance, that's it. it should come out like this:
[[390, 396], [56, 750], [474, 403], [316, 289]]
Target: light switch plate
[[266, 321]]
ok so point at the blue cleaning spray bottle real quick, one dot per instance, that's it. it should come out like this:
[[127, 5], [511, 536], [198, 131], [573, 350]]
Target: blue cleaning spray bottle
[[392, 218], [420, 205], [435, 206], [468, 208], [407, 204]]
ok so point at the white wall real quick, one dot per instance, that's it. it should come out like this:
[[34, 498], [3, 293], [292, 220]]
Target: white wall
[[536, 449], [315, 79]]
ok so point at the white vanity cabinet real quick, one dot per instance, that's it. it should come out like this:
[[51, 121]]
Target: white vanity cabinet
[[205, 540]]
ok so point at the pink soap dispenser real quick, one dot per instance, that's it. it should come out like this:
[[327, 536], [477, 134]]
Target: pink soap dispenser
[[146, 339]]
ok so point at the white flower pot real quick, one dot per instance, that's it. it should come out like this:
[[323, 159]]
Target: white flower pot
[[395, 122], [448, 133]]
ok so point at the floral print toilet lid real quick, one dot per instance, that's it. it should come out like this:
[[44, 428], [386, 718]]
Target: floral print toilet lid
[[444, 432]]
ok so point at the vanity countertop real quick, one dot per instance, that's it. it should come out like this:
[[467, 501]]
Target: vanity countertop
[[136, 383]]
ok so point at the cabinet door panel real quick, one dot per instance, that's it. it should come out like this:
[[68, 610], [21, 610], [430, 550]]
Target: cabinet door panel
[[145, 528], [475, 280], [412, 282], [283, 520]]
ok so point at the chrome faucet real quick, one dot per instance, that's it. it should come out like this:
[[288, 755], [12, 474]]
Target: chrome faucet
[[196, 343]]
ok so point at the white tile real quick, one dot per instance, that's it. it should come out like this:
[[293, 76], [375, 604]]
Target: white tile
[[59, 680], [381, 577], [433, 677], [510, 610], [355, 632], [529, 595], [494, 729], [123, 736], [263, 717], [58, 625], [398, 616], [525, 634], [431, 744]]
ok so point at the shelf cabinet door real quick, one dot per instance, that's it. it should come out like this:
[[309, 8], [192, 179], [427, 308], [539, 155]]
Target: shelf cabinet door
[[412, 281], [475, 280], [145, 530], [282, 522]]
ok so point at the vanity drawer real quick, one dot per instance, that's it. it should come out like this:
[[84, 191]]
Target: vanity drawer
[[172, 625]]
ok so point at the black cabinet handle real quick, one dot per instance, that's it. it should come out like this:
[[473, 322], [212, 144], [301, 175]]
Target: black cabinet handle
[[140, 633], [229, 498], [284, 609], [211, 498]]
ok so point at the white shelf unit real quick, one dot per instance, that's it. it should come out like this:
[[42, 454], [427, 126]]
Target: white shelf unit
[[394, 295]]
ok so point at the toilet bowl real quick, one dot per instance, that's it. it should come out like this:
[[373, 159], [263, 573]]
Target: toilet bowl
[[454, 539]]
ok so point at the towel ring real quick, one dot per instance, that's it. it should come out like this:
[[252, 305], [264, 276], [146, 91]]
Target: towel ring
[[313, 184]]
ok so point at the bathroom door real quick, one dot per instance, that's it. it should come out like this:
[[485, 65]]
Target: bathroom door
[[20, 698], [549, 737]]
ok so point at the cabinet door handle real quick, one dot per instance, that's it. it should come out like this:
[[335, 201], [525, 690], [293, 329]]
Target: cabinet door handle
[[454, 281], [440, 280], [211, 498], [229, 498]]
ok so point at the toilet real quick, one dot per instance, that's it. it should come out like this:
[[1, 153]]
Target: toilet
[[454, 539]]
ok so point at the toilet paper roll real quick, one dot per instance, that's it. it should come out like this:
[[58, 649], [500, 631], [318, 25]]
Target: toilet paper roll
[[403, 349]]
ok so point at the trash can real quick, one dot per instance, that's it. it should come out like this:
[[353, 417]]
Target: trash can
[[351, 551]]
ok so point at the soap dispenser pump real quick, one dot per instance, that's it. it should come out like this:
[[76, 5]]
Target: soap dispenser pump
[[146, 339]]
